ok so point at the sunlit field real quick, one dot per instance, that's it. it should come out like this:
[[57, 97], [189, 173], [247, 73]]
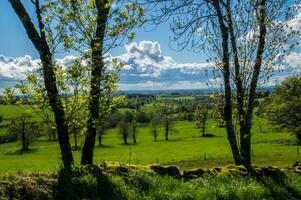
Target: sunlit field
[[185, 148]]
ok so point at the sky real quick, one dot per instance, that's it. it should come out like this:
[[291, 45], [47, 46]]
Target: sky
[[150, 63]]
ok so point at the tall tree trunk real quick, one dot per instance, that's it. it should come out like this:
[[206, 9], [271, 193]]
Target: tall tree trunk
[[96, 74], [40, 43], [246, 148], [226, 73]]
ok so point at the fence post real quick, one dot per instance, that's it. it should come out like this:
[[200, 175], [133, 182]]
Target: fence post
[[205, 157]]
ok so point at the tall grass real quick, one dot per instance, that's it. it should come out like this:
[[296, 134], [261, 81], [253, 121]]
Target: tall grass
[[92, 183]]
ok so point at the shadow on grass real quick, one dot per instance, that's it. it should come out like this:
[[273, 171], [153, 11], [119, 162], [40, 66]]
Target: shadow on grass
[[74, 148], [170, 140], [129, 144], [74, 184], [209, 135], [103, 146], [279, 186], [21, 152], [46, 140]]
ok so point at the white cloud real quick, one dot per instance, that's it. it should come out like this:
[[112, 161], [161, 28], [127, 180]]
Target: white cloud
[[17, 68], [146, 59], [146, 67], [150, 85]]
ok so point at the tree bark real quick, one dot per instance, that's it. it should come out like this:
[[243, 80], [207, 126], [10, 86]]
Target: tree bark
[[40, 43], [226, 73], [246, 146], [96, 74]]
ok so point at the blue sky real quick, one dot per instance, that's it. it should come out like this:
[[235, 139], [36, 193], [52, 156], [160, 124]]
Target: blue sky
[[150, 62], [14, 42]]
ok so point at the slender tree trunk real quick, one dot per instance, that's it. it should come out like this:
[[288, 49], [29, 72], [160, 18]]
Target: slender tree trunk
[[125, 135], [246, 148], [226, 73], [40, 43], [203, 129], [166, 131], [58, 110], [134, 134], [96, 74], [23, 137]]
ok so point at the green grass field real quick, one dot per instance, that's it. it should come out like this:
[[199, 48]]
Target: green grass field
[[185, 149]]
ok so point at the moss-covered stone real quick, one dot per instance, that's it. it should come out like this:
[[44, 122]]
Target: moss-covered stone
[[166, 170], [193, 173]]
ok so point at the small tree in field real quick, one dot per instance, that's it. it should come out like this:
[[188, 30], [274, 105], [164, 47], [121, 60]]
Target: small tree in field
[[218, 109], [155, 125], [285, 106], [201, 117], [50, 131], [166, 121], [25, 129], [134, 130], [125, 126]]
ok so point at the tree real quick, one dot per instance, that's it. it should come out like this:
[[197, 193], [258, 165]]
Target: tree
[[284, 108], [39, 37], [50, 131], [218, 109], [243, 39], [98, 25], [124, 125], [166, 122], [201, 117], [155, 125], [134, 130], [25, 129], [72, 84]]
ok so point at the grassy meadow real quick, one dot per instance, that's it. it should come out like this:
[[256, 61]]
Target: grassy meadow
[[185, 148]]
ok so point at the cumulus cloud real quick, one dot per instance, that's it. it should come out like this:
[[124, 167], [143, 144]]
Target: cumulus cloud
[[17, 68], [146, 59], [146, 68]]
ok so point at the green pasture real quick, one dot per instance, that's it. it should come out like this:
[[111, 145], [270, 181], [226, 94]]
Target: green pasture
[[185, 148]]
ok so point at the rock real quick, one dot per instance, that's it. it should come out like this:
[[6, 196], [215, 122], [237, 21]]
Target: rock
[[270, 171], [193, 173], [166, 170]]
